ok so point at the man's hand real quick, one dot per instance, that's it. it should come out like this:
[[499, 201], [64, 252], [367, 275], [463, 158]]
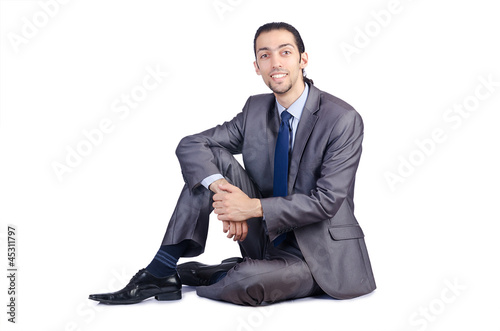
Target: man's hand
[[233, 205], [214, 187], [235, 230]]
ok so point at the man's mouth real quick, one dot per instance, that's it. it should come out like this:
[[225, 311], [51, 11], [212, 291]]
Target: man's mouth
[[278, 75]]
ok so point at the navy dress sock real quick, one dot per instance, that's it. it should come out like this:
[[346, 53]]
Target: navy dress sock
[[165, 261]]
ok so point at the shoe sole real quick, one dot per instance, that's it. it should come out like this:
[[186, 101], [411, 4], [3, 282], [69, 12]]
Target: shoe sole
[[169, 296]]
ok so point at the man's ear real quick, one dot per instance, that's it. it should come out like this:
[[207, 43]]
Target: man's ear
[[257, 70], [304, 60]]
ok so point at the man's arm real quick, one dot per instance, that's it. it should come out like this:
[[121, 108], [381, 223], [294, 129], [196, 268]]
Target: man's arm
[[195, 155], [198, 166], [210, 179]]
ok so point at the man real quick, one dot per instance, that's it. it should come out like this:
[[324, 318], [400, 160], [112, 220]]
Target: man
[[290, 209]]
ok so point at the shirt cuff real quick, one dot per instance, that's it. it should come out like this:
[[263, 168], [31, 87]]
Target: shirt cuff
[[210, 179]]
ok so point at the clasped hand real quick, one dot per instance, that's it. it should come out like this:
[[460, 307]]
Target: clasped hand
[[233, 207]]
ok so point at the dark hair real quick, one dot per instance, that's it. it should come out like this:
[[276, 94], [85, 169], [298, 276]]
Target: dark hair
[[282, 26]]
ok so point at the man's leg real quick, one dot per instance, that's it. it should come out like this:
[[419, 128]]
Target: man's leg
[[281, 276], [188, 227], [190, 219], [186, 236]]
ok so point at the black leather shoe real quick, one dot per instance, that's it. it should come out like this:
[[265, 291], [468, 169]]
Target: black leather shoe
[[143, 286], [199, 274]]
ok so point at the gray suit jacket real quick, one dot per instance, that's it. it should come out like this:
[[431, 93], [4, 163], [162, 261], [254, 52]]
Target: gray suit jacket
[[320, 207]]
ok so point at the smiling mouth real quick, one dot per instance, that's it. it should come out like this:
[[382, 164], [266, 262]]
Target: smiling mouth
[[278, 76]]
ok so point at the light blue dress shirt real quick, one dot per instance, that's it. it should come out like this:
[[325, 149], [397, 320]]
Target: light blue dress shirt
[[295, 110]]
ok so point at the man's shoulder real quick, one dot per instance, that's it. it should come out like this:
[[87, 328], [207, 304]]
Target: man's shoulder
[[258, 102], [329, 101], [262, 98], [334, 113], [329, 107]]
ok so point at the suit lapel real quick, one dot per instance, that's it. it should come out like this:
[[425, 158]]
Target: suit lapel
[[273, 126], [307, 122]]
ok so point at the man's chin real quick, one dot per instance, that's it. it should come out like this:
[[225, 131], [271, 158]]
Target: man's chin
[[280, 89]]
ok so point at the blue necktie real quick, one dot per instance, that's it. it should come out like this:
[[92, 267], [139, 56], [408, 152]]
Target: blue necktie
[[281, 162]]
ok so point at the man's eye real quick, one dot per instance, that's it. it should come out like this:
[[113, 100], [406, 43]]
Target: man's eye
[[263, 56], [287, 52]]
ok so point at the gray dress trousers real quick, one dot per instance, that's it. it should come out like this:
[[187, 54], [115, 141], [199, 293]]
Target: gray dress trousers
[[267, 274]]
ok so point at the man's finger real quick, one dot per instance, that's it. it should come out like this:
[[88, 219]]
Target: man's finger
[[231, 232], [225, 226], [244, 227], [238, 231], [217, 196], [234, 230]]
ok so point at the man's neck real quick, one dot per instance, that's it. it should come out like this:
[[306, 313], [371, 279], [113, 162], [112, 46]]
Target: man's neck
[[288, 98]]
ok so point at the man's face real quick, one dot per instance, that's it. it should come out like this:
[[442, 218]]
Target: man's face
[[279, 62]]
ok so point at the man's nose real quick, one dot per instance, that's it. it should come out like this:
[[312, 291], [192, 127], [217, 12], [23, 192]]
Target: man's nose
[[276, 62]]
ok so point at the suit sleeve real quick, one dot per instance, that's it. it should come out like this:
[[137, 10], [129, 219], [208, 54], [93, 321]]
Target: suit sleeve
[[194, 152], [335, 182]]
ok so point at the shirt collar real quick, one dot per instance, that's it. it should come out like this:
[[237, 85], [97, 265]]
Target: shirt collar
[[298, 106]]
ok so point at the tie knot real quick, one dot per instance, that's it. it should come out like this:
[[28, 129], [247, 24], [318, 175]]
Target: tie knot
[[285, 116]]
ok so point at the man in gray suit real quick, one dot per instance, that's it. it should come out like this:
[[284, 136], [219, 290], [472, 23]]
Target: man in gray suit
[[291, 208]]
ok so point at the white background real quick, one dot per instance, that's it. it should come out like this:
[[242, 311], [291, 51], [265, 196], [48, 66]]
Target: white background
[[92, 230]]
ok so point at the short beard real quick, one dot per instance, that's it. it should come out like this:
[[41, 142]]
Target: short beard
[[287, 88]]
